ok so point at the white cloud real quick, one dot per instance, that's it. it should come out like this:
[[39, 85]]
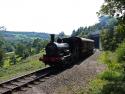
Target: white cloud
[[51, 16]]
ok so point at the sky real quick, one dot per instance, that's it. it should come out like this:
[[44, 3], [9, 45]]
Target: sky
[[49, 16]]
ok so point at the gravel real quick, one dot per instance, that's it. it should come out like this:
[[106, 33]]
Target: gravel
[[69, 81]]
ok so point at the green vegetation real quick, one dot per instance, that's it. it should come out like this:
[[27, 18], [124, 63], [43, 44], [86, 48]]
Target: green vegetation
[[20, 49], [28, 65], [19, 53], [13, 35], [114, 35], [24, 46], [1, 57], [110, 81], [121, 52], [94, 87], [110, 30], [11, 41]]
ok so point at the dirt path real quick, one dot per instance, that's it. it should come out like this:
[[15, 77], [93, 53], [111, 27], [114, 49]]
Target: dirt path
[[69, 81]]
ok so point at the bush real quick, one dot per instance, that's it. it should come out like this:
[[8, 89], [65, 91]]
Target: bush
[[111, 81], [2, 54], [120, 51], [95, 87], [31, 64], [111, 75], [110, 59]]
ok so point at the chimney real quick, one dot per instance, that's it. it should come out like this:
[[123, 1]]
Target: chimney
[[52, 37]]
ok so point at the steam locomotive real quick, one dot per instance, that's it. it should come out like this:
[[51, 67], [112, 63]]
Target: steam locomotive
[[67, 50]]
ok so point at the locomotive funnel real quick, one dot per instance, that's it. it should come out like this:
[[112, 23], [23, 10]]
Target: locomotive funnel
[[52, 37]]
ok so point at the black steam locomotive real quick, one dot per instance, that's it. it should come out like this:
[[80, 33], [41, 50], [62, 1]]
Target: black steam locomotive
[[67, 50]]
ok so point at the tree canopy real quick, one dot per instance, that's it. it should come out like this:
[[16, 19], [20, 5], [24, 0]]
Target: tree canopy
[[114, 8], [114, 34]]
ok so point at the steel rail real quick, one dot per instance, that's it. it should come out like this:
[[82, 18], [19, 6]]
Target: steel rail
[[9, 86]]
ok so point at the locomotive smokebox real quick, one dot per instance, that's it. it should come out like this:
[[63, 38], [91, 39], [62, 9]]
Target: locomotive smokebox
[[52, 37]]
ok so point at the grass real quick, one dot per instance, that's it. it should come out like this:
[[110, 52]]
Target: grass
[[110, 81], [9, 54], [94, 86], [111, 75], [32, 63]]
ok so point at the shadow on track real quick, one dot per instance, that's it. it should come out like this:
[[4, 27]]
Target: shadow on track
[[58, 69]]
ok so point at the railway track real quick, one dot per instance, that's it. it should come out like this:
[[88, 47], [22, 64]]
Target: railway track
[[17, 83]]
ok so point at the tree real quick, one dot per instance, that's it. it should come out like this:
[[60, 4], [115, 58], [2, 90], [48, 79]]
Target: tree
[[2, 55], [79, 32], [116, 9], [107, 40], [1, 42], [73, 33], [61, 35], [44, 43], [22, 51], [113, 8], [38, 44], [19, 50], [3, 28], [13, 60]]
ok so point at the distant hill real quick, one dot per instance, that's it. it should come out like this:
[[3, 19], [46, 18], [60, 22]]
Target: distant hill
[[12, 35]]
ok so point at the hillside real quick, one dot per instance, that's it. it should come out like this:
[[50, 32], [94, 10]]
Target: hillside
[[12, 35]]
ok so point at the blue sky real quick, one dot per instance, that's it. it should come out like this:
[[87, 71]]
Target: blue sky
[[50, 16]]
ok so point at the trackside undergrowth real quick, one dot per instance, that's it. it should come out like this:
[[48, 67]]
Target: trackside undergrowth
[[28, 65], [112, 80]]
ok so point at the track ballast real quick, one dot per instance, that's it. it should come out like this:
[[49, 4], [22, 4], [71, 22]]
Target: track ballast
[[9, 86]]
